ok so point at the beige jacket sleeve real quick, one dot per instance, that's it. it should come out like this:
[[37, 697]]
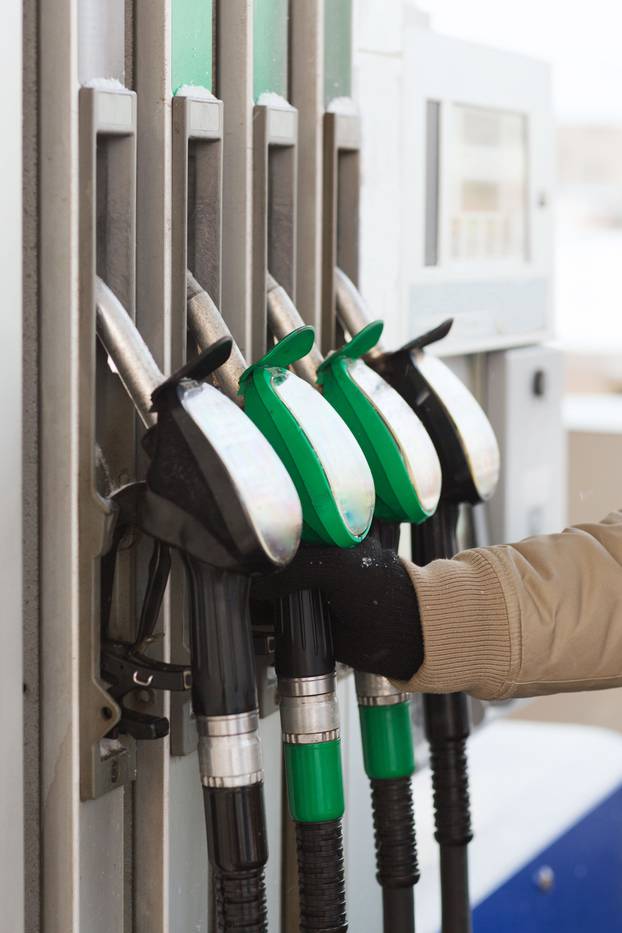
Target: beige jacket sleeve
[[542, 616]]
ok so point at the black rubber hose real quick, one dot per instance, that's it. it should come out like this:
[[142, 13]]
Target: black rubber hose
[[455, 907], [396, 851], [398, 910], [447, 728], [321, 877], [393, 813]]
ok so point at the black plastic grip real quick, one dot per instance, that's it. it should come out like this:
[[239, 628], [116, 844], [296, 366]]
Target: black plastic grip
[[304, 640], [436, 538], [223, 659], [237, 843], [321, 877]]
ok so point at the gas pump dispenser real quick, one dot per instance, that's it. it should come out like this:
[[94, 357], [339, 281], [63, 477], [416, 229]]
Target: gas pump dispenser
[[217, 493], [407, 479], [469, 455]]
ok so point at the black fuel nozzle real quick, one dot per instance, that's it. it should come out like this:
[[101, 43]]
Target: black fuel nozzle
[[216, 492], [199, 436]]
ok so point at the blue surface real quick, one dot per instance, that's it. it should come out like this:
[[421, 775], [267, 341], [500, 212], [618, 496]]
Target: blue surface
[[586, 896]]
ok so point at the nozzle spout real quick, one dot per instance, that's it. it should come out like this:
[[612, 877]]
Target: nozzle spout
[[283, 318], [352, 310], [131, 356], [206, 325]]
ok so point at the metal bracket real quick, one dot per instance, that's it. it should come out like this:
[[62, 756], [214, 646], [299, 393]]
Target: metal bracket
[[197, 206], [106, 416], [275, 136], [196, 245], [342, 173]]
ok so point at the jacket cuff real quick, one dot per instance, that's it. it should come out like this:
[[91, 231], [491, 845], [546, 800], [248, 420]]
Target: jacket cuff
[[466, 627]]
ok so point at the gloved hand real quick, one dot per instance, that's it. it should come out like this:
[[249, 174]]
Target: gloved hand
[[372, 602]]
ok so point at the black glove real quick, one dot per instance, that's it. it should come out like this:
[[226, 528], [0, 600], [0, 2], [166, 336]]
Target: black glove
[[372, 603]]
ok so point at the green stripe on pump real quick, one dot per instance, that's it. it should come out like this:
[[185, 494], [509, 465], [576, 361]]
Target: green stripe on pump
[[314, 781], [337, 49], [270, 47], [191, 43], [386, 732]]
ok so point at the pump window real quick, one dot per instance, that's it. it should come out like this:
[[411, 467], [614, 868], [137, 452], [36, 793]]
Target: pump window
[[486, 185]]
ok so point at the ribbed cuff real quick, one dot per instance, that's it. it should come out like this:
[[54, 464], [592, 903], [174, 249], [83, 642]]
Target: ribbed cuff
[[466, 627]]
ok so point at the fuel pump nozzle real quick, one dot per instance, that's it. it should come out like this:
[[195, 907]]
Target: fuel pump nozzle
[[336, 490], [407, 481], [469, 455], [217, 493]]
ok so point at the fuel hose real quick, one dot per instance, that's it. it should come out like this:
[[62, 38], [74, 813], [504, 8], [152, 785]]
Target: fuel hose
[[225, 706], [305, 667], [447, 728]]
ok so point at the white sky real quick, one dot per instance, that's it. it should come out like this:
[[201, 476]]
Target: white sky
[[583, 42]]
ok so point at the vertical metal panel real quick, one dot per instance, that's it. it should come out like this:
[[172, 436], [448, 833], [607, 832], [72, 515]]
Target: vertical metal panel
[[153, 220], [30, 492], [59, 387], [197, 206], [102, 890], [152, 62], [188, 884], [270, 731], [11, 769], [234, 86], [307, 95], [191, 55], [274, 210], [105, 415], [340, 246], [270, 27]]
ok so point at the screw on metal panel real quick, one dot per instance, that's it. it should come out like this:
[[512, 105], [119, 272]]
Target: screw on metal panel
[[545, 878]]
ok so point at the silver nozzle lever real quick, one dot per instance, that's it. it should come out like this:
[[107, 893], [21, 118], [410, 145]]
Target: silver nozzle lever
[[352, 310], [283, 318], [131, 356], [206, 326]]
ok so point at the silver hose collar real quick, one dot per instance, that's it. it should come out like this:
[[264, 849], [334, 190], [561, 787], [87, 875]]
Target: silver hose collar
[[374, 690], [230, 750], [309, 710]]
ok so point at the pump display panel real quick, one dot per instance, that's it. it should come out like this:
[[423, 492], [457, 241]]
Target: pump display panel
[[477, 215], [486, 186]]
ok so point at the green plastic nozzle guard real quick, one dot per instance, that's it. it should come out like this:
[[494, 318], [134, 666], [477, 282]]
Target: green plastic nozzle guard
[[324, 521], [386, 733], [396, 497], [314, 781]]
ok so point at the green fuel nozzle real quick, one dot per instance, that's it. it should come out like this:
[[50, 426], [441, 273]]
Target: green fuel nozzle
[[407, 481], [336, 489]]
